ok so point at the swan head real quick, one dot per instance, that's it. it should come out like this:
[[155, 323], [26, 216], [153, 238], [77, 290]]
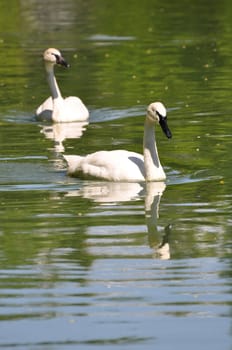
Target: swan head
[[156, 112], [53, 56]]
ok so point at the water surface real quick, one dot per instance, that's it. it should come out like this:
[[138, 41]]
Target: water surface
[[90, 264]]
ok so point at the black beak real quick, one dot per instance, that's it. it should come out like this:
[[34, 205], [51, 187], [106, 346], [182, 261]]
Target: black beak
[[61, 61], [164, 126]]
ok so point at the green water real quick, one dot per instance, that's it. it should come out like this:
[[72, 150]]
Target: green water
[[93, 265]]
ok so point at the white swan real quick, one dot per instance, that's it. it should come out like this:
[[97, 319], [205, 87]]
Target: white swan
[[125, 166], [57, 108]]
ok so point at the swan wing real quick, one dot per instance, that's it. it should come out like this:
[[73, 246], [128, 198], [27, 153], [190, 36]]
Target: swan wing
[[74, 109]]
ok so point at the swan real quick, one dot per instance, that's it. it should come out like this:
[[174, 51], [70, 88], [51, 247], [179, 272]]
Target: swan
[[57, 108], [122, 165]]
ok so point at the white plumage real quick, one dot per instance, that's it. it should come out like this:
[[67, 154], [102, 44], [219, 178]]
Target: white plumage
[[122, 165], [57, 108]]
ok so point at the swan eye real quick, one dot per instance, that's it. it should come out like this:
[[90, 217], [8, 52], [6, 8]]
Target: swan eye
[[160, 115], [56, 56], [60, 60]]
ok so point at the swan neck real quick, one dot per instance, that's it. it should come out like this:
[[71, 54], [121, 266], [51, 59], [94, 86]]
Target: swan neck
[[55, 91], [151, 158]]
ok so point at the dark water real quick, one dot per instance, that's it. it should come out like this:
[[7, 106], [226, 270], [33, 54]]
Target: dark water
[[93, 265]]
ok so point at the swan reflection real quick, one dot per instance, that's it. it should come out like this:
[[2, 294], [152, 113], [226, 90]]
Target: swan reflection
[[152, 201], [108, 192], [59, 132], [113, 192]]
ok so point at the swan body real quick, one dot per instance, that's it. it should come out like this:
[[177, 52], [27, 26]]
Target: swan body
[[122, 165], [55, 107]]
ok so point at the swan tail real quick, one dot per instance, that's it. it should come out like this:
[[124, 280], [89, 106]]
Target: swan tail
[[73, 163]]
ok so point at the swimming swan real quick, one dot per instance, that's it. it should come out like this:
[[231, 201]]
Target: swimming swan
[[57, 108], [125, 166]]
